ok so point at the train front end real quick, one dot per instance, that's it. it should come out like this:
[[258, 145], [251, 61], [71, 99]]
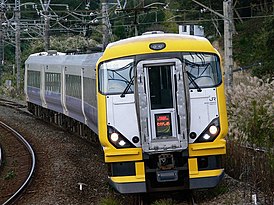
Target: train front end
[[161, 113]]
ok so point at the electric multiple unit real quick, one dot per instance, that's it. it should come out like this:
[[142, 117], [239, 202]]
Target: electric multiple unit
[[162, 113], [160, 107]]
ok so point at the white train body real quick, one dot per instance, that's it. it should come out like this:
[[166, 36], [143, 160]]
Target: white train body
[[64, 84]]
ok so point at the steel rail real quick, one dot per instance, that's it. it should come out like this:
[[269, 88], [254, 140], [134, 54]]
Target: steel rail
[[33, 157], [1, 155], [11, 104], [191, 198]]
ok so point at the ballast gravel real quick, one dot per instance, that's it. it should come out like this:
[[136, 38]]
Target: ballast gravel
[[64, 161]]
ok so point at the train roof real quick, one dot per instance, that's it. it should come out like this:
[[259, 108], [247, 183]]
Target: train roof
[[174, 43], [82, 60]]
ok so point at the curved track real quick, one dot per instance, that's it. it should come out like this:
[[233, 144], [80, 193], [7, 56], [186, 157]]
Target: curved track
[[18, 164], [138, 199]]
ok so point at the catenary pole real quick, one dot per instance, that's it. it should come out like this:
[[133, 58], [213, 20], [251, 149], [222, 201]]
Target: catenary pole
[[228, 46], [228, 52], [2, 12], [17, 17], [105, 24], [45, 6]]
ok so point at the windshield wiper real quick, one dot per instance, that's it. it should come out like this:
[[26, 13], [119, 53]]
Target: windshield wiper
[[121, 69], [192, 81], [129, 84]]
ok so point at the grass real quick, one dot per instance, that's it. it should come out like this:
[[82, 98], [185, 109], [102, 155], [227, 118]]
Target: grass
[[163, 202], [251, 117], [109, 201], [10, 175], [251, 112]]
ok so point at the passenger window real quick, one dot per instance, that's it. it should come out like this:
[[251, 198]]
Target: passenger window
[[34, 78]]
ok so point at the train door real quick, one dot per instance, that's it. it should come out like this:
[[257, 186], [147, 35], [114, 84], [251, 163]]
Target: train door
[[162, 105]]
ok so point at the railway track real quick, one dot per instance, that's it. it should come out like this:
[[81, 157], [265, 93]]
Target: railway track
[[11, 104], [186, 198], [191, 199], [182, 198], [18, 164]]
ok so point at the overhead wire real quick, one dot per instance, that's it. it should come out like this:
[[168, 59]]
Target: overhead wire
[[78, 15], [194, 21]]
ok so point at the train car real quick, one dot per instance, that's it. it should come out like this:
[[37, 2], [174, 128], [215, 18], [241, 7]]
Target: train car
[[158, 108], [162, 113], [61, 88]]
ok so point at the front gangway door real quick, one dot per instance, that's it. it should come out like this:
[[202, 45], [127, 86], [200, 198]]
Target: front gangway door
[[161, 102]]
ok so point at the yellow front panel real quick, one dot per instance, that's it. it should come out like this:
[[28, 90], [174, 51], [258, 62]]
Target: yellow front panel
[[207, 173], [140, 175], [208, 148], [222, 110], [122, 155], [140, 45], [140, 170], [193, 166], [195, 173], [127, 179], [102, 120]]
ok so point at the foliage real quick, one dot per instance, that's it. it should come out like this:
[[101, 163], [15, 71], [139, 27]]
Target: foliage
[[65, 43], [251, 112], [250, 152], [119, 29], [109, 201], [170, 27], [10, 175], [73, 4], [163, 202], [254, 43], [61, 44], [8, 90]]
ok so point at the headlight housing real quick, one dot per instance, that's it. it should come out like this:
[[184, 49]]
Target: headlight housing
[[211, 131], [117, 139]]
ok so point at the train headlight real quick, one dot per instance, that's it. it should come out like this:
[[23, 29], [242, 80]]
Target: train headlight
[[210, 132], [117, 139], [213, 130], [114, 137]]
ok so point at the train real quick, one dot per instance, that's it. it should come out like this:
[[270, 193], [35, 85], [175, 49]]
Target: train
[[156, 102]]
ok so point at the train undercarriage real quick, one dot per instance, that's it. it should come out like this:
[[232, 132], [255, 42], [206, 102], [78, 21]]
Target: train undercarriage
[[63, 121]]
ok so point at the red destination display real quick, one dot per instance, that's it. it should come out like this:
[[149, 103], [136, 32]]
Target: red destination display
[[163, 125]]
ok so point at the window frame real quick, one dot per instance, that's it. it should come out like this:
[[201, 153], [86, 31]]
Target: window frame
[[217, 67], [101, 76]]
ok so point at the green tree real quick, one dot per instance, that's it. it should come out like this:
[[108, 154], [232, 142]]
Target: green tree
[[254, 43]]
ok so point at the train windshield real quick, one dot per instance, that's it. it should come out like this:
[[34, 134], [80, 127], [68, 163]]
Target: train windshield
[[116, 76], [203, 70]]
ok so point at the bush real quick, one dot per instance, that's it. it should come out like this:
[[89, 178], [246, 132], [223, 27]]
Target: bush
[[251, 112], [250, 152]]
